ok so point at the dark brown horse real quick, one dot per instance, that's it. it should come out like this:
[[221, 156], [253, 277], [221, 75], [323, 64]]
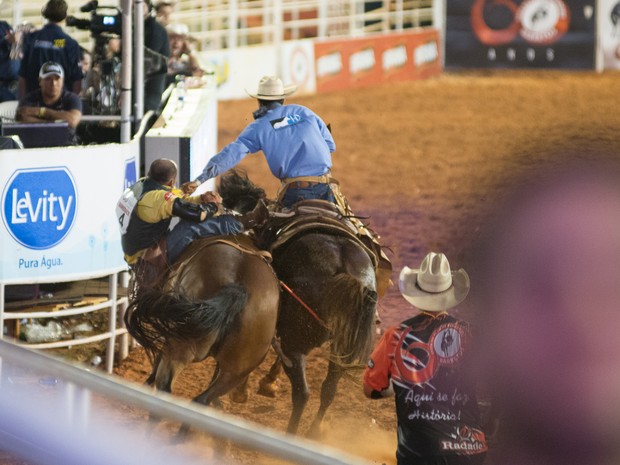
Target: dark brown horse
[[334, 276], [218, 300]]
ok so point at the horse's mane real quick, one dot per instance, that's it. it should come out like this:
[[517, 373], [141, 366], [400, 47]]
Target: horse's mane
[[238, 192]]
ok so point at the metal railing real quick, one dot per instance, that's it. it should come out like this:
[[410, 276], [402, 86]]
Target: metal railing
[[64, 426], [114, 304], [221, 24]]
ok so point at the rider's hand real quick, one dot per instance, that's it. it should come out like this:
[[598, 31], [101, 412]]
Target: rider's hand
[[209, 197], [189, 187]]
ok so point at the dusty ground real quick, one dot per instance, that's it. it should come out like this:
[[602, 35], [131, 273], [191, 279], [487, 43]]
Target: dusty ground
[[425, 161]]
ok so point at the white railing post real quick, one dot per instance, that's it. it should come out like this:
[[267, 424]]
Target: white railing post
[[126, 71], [138, 35], [233, 20], [278, 34], [399, 16], [323, 19], [113, 297]]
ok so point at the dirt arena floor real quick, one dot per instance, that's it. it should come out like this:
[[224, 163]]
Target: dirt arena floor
[[425, 161]]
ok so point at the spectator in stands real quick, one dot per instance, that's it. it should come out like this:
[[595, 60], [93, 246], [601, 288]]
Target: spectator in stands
[[156, 39], [86, 63], [9, 67], [163, 11], [51, 102], [182, 59], [50, 43]]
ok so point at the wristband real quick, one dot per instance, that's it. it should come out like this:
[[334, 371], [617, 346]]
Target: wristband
[[41, 112]]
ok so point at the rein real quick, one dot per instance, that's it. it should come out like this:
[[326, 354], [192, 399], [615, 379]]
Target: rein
[[304, 305]]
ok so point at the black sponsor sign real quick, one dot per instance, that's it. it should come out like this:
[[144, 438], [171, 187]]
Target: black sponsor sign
[[520, 34]]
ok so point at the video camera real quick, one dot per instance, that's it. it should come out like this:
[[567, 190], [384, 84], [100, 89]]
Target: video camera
[[102, 19]]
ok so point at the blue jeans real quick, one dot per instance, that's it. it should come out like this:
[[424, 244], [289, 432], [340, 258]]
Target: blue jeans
[[292, 195], [185, 232]]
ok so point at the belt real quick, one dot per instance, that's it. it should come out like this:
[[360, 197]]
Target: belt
[[303, 184]]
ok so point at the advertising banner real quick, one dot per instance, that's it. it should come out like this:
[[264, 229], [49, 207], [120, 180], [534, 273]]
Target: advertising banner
[[298, 65], [609, 32], [348, 63], [520, 34], [58, 211]]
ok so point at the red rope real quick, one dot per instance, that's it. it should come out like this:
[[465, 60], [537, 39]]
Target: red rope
[[304, 305]]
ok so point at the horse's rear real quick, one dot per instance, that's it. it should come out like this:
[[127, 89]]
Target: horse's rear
[[334, 276], [219, 300]]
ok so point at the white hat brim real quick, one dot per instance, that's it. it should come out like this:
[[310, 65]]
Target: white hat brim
[[288, 90], [433, 301]]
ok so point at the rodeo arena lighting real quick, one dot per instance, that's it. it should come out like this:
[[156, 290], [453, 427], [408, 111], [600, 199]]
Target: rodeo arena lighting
[[59, 223]]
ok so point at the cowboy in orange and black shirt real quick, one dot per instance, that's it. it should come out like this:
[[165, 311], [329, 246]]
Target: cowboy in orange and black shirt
[[421, 361]]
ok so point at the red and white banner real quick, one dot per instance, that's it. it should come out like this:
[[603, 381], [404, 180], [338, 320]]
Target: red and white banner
[[347, 63]]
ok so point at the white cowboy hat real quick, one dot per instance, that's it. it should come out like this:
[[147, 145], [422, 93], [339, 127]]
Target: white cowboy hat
[[434, 287], [178, 29], [271, 88]]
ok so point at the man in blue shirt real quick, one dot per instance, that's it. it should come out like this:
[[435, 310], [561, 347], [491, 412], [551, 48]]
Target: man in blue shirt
[[51, 102], [50, 43], [296, 142]]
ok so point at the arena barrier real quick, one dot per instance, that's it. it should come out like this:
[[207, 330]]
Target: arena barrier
[[48, 416], [59, 225]]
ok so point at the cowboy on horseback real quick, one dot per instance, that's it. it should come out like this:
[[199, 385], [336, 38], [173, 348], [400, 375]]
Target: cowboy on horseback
[[296, 142], [297, 145], [146, 209]]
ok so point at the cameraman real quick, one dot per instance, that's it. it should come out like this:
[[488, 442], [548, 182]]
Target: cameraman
[[50, 43]]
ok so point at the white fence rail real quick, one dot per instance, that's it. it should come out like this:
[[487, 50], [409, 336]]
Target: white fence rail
[[48, 416], [221, 24]]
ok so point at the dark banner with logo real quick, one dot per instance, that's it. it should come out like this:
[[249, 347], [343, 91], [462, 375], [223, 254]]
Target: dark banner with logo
[[520, 34]]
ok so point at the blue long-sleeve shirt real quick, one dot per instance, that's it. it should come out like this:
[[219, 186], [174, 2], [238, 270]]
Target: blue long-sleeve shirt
[[295, 141]]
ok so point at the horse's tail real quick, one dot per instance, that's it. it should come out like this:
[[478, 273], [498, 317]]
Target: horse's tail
[[156, 317], [350, 312]]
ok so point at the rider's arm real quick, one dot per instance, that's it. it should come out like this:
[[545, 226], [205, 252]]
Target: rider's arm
[[193, 212], [232, 154]]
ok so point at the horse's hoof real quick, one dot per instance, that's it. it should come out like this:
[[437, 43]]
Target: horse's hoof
[[239, 397], [268, 389], [314, 432]]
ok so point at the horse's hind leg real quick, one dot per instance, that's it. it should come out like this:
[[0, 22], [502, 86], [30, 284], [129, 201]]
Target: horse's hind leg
[[151, 379], [240, 393], [268, 385], [328, 392], [299, 389]]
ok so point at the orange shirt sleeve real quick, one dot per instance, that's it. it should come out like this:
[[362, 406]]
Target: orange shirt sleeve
[[377, 372]]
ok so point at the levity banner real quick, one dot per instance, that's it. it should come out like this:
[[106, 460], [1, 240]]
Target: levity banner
[[58, 211], [520, 34]]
